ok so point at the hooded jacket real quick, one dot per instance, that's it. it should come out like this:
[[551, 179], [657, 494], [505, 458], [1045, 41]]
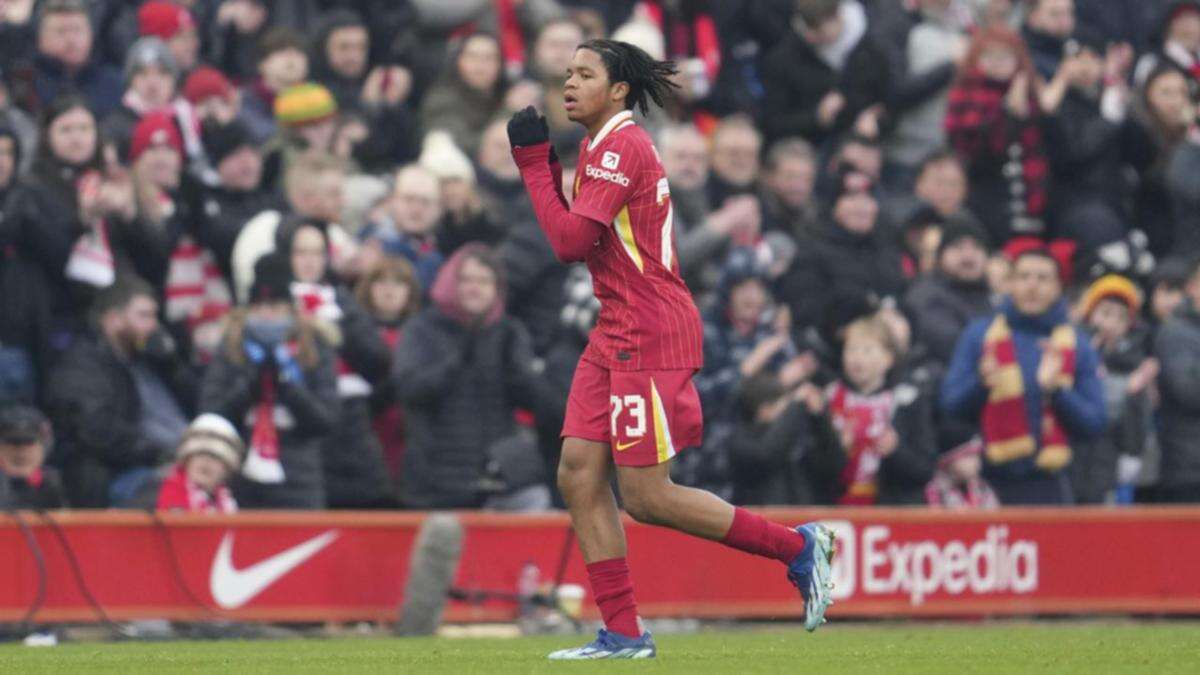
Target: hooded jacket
[[460, 379]]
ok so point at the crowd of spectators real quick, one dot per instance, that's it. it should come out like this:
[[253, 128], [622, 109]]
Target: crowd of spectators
[[277, 254]]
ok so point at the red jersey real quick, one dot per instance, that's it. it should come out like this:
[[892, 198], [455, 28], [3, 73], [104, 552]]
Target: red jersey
[[648, 319]]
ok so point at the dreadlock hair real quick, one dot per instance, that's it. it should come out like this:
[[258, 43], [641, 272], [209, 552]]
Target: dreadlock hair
[[632, 65]]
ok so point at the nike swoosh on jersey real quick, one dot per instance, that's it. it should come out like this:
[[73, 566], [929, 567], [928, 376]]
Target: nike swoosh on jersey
[[231, 588], [626, 446]]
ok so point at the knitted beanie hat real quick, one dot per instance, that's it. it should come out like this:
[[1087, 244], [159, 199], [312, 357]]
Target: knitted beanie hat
[[303, 104]]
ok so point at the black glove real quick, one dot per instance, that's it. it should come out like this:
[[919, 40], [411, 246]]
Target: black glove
[[528, 128]]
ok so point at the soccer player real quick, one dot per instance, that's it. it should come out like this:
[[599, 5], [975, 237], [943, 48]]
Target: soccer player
[[632, 403]]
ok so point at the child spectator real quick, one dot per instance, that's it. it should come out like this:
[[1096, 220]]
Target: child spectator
[[875, 439], [25, 438], [1110, 309], [209, 454], [770, 440], [957, 482], [1166, 290], [283, 63]]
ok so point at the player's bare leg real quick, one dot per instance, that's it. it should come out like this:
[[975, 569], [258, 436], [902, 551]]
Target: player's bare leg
[[651, 497], [584, 471]]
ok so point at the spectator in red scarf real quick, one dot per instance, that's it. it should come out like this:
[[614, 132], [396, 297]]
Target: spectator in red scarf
[[992, 121], [177, 257], [391, 294], [875, 439], [1030, 380], [25, 483], [352, 458], [208, 457], [274, 375]]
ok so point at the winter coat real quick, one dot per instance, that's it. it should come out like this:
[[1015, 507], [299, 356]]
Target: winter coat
[[355, 473], [711, 466], [1152, 154], [225, 214], [305, 413], [1130, 421], [101, 85], [918, 99], [1088, 194], [941, 308], [1004, 156], [94, 404], [460, 110], [1177, 347], [42, 222], [460, 385], [387, 417], [795, 78], [903, 474], [840, 263], [41, 491], [766, 460], [1080, 409], [25, 329], [535, 281], [1184, 190]]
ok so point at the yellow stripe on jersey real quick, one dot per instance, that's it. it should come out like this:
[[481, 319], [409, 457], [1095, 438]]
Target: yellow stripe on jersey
[[662, 432], [625, 232], [666, 237]]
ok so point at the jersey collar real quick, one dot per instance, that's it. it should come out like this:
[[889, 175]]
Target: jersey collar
[[610, 126]]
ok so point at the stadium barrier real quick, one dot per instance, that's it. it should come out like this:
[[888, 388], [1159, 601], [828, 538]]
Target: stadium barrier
[[350, 566]]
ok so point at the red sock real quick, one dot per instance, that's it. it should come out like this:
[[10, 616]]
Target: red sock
[[754, 534], [614, 596]]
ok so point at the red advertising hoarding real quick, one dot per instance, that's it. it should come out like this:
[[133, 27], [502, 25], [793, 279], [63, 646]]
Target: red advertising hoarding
[[344, 566]]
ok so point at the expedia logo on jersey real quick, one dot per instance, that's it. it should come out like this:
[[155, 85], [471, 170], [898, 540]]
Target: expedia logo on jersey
[[604, 174], [871, 561]]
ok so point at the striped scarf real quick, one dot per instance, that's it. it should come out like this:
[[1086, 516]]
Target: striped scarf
[[194, 289], [1004, 425], [865, 419]]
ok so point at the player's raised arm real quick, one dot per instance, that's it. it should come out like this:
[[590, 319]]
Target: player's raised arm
[[570, 235]]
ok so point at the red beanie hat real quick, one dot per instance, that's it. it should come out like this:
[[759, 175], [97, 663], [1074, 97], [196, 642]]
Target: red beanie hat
[[206, 82], [163, 19], [153, 130]]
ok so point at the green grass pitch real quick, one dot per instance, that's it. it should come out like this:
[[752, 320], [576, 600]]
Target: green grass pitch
[[1166, 647]]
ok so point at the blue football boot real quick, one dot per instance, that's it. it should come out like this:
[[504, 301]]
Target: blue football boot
[[609, 645], [810, 572]]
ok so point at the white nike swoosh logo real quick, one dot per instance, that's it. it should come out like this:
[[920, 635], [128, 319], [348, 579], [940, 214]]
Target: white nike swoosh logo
[[231, 588]]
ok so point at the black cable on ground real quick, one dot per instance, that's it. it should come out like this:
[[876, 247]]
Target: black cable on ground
[[39, 560], [176, 569], [77, 572]]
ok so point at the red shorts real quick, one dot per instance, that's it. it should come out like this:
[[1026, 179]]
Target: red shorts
[[647, 416]]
